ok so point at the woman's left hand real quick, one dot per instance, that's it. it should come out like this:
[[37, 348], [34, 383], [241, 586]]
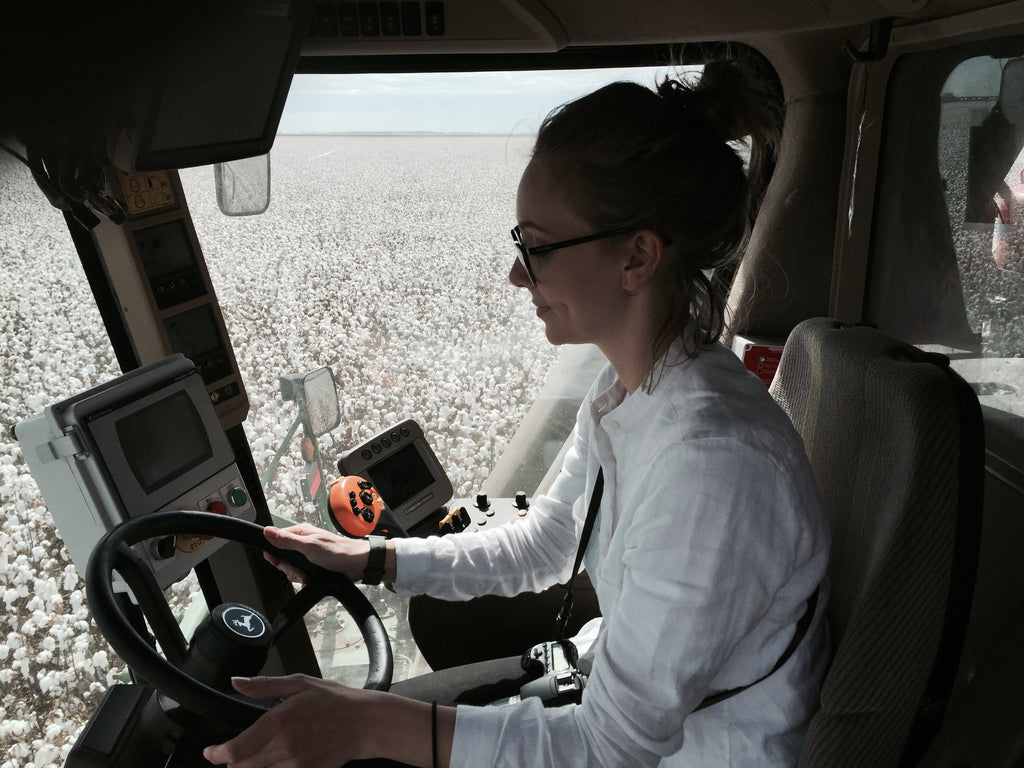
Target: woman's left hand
[[316, 725]]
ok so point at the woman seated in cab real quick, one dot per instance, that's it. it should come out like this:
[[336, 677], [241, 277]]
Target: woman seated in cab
[[710, 543]]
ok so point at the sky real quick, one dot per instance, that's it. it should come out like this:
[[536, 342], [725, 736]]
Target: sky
[[457, 102]]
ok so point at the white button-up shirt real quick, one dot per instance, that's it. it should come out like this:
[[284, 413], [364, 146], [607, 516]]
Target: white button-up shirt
[[709, 541]]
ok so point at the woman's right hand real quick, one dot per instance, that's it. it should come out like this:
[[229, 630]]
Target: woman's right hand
[[328, 550]]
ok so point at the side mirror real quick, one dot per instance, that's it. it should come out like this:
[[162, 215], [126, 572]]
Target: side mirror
[[316, 394], [243, 186], [994, 146], [1011, 91]]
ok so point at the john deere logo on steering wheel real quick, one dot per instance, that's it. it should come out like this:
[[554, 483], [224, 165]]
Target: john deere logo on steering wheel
[[244, 622]]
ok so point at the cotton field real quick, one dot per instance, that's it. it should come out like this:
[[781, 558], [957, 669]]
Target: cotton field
[[383, 257]]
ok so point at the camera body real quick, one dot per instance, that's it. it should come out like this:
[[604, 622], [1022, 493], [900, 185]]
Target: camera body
[[559, 681]]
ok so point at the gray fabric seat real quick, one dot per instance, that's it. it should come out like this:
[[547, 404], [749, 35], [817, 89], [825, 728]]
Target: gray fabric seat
[[895, 440]]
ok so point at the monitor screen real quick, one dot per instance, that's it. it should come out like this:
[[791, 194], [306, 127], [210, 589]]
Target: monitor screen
[[169, 263], [163, 440], [215, 88], [401, 476], [164, 249]]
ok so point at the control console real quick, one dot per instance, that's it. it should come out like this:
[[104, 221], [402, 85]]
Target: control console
[[147, 441], [480, 514], [400, 464]]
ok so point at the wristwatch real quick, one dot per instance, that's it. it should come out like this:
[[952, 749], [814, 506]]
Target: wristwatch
[[375, 562]]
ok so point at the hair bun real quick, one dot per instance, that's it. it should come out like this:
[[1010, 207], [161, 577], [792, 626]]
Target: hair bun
[[725, 97]]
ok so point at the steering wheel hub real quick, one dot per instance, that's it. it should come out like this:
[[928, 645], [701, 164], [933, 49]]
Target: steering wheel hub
[[241, 621]]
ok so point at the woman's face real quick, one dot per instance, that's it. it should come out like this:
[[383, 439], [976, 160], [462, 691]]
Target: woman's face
[[578, 292]]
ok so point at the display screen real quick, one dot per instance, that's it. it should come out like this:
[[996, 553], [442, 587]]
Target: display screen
[[163, 441], [164, 250], [401, 476], [194, 333]]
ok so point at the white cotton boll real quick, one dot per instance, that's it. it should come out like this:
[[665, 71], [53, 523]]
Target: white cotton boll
[[10, 597], [46, 754], [20, 750], [14, 641], [24, 572], [99, 660], [46, 682], [13, 727]]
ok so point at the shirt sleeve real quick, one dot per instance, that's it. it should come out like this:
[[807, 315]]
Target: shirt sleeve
[[527, 556], [715, 540]]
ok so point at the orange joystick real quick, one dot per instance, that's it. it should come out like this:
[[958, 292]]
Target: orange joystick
[[355, 506]]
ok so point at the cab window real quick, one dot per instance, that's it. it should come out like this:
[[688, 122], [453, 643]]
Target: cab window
[[947, 270], [384, 255]]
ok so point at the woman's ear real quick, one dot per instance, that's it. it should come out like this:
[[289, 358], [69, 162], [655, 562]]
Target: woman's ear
[[647, 249]]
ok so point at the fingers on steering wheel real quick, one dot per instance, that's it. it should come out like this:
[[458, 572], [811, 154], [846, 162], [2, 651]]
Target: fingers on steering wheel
[[294, 574]]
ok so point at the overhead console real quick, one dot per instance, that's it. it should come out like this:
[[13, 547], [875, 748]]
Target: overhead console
[[432, 26]]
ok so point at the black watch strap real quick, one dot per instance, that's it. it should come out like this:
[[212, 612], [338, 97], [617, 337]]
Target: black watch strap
[[375, 562]]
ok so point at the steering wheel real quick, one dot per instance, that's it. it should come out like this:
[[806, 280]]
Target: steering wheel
[[174, 675]]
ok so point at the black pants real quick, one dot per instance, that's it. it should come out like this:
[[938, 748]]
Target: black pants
[[475, 647], [475, 684]]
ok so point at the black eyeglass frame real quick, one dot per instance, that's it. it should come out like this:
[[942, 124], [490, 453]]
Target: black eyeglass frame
[[536, 250]]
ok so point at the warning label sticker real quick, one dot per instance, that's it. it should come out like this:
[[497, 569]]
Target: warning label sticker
[[146, 192]]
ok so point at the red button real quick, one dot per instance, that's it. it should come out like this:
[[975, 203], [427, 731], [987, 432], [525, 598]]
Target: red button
[[218, 508]]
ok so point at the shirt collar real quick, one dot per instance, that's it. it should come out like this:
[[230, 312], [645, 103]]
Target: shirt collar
[[631, 408]]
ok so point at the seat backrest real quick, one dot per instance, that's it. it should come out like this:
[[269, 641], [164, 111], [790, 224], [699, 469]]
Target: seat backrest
[[894, 437]]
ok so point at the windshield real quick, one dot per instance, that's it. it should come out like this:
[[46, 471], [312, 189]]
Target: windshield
[[384, 255]]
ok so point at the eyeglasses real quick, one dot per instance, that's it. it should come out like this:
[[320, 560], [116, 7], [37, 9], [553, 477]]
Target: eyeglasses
[[525, 253]]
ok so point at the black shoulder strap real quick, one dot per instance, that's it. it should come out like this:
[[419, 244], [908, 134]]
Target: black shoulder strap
[[588, 527], [798, 636]]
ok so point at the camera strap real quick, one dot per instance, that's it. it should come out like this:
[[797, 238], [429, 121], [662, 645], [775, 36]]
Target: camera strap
[[565, 612], [588, 527]]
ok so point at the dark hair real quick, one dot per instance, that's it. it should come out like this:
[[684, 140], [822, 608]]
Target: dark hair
[[660, 160]]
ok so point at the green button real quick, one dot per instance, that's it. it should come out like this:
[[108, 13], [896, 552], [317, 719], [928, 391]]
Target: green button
[[238, 497]]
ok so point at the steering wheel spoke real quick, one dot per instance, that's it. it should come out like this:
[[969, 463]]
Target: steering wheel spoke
[[150, 599], [299, 605]]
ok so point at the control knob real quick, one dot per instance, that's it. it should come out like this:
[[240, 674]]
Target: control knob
[[521, 503]]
